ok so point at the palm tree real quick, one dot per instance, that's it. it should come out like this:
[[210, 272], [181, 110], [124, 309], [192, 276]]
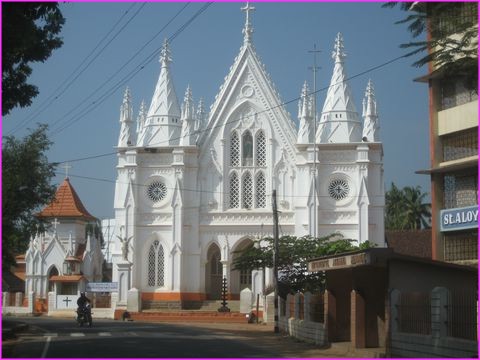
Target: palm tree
[[406, 209], [417, 213]]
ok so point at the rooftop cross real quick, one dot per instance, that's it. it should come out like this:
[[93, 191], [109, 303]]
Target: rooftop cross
[[248, 29], [66, 167], [55, 223]]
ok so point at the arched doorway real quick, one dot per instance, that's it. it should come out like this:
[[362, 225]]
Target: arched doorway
[[53, 272], [240, 279], [213, 274]]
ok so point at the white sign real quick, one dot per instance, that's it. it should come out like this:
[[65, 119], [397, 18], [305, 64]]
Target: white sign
[[459, 219], [102, 287]]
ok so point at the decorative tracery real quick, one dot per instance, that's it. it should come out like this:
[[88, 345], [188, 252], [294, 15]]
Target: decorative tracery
[[234, 193], [234, 150], [156, 265], [247, 191], [247, 149], [260, 191], [261, 150]]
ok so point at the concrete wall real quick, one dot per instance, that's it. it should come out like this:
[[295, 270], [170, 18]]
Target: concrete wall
[[305, 329]]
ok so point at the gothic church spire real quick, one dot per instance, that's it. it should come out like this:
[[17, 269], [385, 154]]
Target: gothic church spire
[[340, 122], [370, 126]]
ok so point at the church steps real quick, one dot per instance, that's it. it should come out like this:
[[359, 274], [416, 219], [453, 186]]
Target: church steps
[[184, 316], [207, 305]]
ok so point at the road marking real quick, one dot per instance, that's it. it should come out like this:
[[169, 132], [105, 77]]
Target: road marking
[[45, 349], [50, 335], [77, 334], [104, 334], [131, 333]]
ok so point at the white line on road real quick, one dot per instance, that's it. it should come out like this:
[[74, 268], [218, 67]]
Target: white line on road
[[104, 334], [45, 349], [77, 334]]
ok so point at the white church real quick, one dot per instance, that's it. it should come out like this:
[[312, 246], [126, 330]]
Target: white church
[[194, 187]]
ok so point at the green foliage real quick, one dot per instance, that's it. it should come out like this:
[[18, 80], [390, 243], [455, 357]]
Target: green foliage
[[26, 176], [405, 209], [29, 32], [95, 229], [293, 257], [452, 41]]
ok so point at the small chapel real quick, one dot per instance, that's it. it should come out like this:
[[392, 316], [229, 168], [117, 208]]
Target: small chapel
[[195, 187], [61, 260]]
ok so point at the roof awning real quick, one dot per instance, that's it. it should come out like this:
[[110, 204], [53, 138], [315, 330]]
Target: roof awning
[[451, 166], [67, 278]]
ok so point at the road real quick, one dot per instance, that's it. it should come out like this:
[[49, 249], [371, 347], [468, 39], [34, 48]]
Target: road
[[63, 338]]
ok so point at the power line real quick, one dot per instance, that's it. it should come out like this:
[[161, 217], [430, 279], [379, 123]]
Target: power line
[[257, 113], [109, 92], [60, 90]]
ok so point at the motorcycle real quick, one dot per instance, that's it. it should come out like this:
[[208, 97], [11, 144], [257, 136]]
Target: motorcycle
[[84, 315]]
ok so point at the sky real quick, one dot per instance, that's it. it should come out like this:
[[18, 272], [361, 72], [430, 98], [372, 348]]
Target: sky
[[109, 46]]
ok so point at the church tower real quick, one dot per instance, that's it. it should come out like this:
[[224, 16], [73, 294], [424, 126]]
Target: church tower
[[162, 125]]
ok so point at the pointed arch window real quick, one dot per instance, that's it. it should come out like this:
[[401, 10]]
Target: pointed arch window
[[234, 193], [261, 149], [247, 149], [156, 265], [234, 150], [247, 191], [260, 191]]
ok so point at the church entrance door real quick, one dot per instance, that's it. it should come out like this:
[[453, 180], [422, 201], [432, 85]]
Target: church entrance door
[[214, 274]]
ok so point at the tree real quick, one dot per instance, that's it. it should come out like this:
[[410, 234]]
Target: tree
[[452, 41], [294, 254], [406, 209], [26, 176], [29, 32]]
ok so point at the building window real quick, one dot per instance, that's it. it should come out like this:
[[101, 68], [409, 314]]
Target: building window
[[247, 191], [245, 279], [460, 145], [261, 150], [260, 191], [234, 150], [156, 265], [234, 199], [461, 246], [216, 265], [247, 149], [456, 91], [460, 190]]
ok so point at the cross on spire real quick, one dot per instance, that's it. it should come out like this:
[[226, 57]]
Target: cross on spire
[[67, 166], [248, 29]]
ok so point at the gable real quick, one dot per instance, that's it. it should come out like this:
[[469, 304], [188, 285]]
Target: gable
[[248, 96]]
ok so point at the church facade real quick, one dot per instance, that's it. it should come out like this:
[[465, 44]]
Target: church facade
[[194, 187]]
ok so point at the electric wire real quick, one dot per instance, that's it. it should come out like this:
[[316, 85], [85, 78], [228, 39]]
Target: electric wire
[[60, 90], [109, 92]]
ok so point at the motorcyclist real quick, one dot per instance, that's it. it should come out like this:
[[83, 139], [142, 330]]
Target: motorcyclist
[[82, 302]]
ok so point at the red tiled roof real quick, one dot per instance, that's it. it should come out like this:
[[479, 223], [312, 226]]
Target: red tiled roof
[[66, 278], [66, 204]]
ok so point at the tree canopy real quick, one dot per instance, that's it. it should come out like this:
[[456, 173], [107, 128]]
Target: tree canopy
[[29, 34], [26, 176], [452, 36], [293, 257], [406, 209]]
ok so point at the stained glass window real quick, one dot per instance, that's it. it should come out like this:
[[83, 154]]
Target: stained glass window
[[156, 265], [247, 149]]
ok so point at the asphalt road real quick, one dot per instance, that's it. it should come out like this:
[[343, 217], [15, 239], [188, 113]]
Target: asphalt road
[[63, 338]]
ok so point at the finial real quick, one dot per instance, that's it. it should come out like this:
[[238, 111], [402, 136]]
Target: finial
[[338, 54], [188, 104], [370, 104], [127, 96], [165, 56], [248, 29]]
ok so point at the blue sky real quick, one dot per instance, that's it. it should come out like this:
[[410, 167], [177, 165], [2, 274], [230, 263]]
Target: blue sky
[[202, 55]]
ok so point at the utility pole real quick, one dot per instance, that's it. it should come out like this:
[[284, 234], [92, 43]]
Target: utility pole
[[314, 69], [276, 328]]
